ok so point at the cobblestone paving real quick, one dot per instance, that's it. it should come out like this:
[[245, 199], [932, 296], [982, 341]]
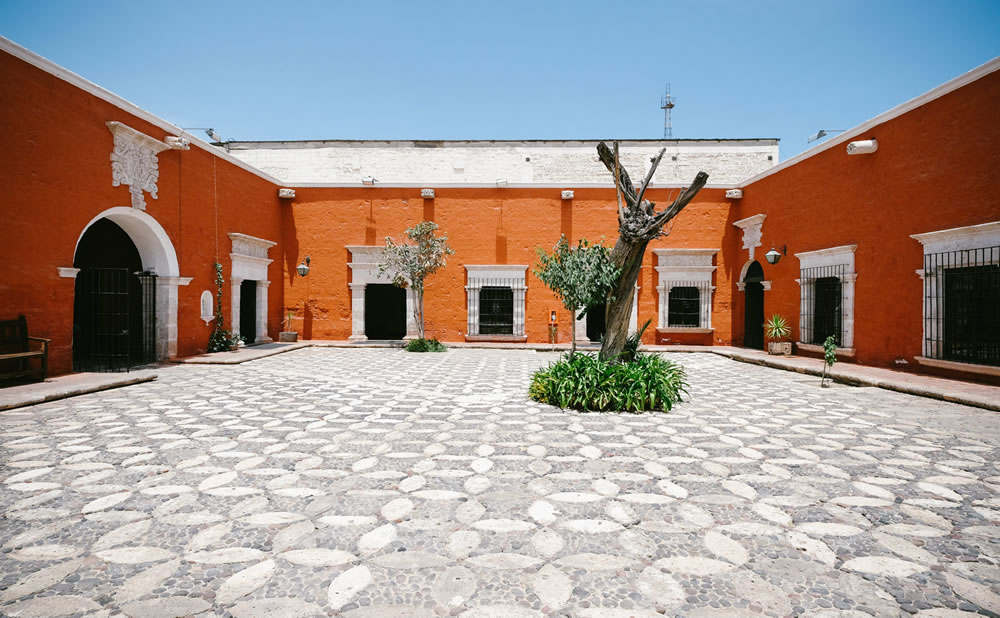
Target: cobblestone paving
[[377, 483]]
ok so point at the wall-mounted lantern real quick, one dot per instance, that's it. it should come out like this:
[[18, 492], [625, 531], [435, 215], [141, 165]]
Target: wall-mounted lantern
[[773, 256], [303, 268]]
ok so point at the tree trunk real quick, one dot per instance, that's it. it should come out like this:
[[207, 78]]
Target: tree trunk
[[418, 311], [572, 330], [638, 223], [627, 256]]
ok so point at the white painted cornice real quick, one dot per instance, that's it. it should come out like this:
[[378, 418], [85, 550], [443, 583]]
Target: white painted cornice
[[749, 221], [987, 230], [831, 251], [675, 251]]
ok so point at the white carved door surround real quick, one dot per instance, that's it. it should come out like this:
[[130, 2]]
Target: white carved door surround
[[158, 256], [752, 232], [364, 270], [250, 262]]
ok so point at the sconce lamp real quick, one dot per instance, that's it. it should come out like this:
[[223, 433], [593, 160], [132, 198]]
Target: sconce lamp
[[368, 181], [303, 268], [773, 256]]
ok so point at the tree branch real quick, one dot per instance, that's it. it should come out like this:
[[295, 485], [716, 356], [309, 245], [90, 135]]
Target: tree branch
[[618, 188], [682, 200], [621, 176], [649, 176]]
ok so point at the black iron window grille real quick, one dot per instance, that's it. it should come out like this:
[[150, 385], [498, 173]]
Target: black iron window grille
[[147, 344], [822, 304], [684, 304], [962, 306], [496, 310]]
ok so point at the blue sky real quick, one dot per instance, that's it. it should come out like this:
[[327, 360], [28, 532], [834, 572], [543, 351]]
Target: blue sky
[[542, 69]]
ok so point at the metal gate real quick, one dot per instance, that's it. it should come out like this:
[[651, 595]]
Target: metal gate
[[114, 324]]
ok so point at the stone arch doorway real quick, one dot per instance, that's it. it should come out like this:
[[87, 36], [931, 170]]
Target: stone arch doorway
[[113, 318], [753, 312], [133, 242]]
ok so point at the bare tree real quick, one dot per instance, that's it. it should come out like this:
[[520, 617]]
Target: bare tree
[[638, 223]]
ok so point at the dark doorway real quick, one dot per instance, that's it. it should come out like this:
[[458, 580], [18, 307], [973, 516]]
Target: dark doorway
[[385, 311], [596, 324], [248, 310], [114, 306], [753, 314]]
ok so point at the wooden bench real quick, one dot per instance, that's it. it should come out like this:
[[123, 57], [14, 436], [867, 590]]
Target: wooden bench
[[15, 350]]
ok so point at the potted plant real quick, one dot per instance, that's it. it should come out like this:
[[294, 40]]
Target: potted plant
[[288, 334], [777, 330]]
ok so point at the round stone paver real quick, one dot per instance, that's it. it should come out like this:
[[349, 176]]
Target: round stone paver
[[374, 482]]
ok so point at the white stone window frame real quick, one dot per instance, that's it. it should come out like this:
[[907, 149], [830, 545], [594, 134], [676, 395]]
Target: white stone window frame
[[364, 270], [833, 256], [250, 262], [678, 268], [478, 275], [967, 238]]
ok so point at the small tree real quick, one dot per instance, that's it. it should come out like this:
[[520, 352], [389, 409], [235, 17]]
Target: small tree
[[410, 264], [581, 276], [829, 357]]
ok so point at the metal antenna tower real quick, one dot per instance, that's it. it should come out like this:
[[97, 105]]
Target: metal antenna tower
[[667, 104]]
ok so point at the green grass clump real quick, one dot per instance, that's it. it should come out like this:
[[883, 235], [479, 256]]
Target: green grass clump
[[425, 345], [585, 382]]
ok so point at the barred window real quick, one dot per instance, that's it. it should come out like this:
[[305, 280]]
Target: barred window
[[962, 306], [496, 310], [684, 307], [827, 313], [495, 300], [822, 308]]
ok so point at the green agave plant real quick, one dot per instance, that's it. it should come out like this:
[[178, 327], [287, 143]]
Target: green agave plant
[[777, 328]]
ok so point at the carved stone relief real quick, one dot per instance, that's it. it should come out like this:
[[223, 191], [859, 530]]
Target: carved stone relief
[[134, 163]]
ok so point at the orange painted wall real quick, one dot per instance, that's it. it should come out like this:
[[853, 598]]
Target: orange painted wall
[[935, 168], [484, 226], [56, 176]]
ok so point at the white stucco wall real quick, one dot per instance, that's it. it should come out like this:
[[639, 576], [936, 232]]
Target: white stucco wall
[[570, 163]]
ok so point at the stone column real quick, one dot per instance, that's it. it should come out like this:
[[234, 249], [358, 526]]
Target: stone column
[[357, 312], [234, 321], [847, 296], [472, 298], [580, 327], [262, 312], [634, 320], [519, 292], [411, 321], [166, 315]]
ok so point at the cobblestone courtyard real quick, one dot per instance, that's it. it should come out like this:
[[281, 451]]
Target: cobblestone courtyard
[[376, 483]]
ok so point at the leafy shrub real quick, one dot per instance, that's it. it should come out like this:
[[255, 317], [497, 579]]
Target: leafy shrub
[[222, 340], [425, 345], [585, 382], [630, 352]]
